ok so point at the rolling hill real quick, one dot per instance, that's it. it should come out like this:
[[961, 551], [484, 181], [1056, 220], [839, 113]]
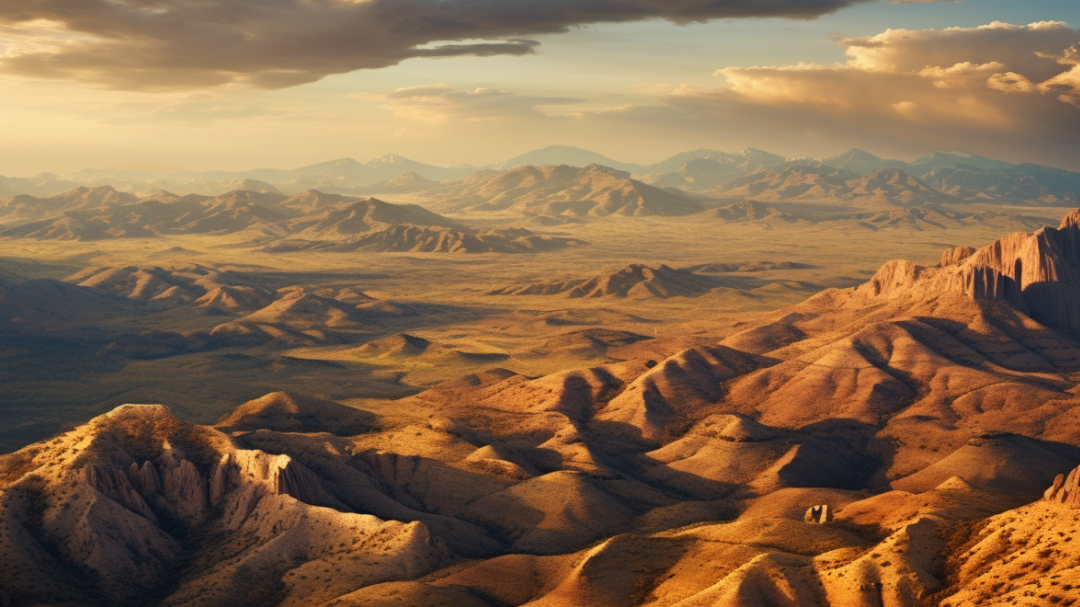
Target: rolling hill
[[196, 286], [312, 220], [340, 174], [702, 169], [556, 155], [1027, 184], [365, 216], [796, 180], [941, 177], [117, 216], [895, 187], [862, 162], [426, 239], [803, 181], [42, 184], [594, 190], [406, 183], [634, 281], [25, 207]]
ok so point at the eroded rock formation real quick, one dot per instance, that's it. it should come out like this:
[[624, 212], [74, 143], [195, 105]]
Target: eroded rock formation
[[1037, 273], [819, 514], [111, 511], [1065, 490]]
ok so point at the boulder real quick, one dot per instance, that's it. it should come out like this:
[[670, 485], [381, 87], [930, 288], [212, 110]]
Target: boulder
[[819, 514]]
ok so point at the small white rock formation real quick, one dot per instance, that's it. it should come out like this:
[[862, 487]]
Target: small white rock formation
[[819, 514]]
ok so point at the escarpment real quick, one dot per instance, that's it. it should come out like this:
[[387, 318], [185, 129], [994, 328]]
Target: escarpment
[[1037, 273]]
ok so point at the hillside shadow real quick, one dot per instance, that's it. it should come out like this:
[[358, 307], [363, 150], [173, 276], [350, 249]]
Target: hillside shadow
[[840, 454], [1044, 354]]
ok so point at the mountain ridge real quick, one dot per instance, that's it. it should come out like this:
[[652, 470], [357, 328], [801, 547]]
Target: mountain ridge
[[692, 170], [562, 190]]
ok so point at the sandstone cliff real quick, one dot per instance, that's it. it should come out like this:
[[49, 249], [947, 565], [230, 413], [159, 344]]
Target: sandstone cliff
[[1037, 273]]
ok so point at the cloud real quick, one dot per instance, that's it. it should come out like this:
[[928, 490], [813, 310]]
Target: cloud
[[1007, 90], [1000, 81], [148, 44], [1011, 82], [1001, 90], [1066, 85], [441, 103], [1028, 49]]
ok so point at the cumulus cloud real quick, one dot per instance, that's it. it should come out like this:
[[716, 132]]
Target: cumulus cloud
[[1066, 85], [1007, 90], [966, 84], [1002, 90], [1011, 82], [441, 103], [281, 43], [1028, 49]]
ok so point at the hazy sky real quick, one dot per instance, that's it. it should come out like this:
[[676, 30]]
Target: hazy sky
[[237, 84]]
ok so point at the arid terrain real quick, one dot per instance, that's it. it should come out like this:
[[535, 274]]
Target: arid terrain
[[727, 379]]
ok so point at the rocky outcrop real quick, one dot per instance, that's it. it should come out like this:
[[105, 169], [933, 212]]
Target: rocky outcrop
[[113, 512], [955, 256], [819, 514], [178, 488], [1037, 273], [117, 486], [174, 486], [241, 479], [1065, 490], [1045, 266], [904, 279]]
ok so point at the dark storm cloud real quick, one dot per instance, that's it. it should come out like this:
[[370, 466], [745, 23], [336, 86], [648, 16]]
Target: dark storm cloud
[[280, 43]]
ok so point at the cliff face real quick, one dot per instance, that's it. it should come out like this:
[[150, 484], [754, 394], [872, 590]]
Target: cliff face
[[1037, 273]]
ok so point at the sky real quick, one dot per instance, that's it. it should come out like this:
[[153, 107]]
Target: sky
[[240, 84]]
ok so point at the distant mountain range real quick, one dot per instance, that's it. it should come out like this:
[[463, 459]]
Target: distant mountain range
[[813, 181], [710, 172], [310, 220], [562, 191]]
